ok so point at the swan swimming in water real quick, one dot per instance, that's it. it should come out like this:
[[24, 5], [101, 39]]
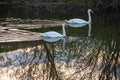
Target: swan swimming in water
[[80, 21], [54, 34]]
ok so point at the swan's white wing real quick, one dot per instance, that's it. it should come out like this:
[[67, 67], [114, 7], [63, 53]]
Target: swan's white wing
[[51, 34], [76, 21]]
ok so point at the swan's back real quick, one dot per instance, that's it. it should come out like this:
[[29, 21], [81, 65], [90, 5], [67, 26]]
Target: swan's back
[[51, 34], [76, 21]]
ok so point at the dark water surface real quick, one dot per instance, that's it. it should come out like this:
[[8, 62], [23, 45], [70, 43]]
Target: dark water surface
[[76, 57]]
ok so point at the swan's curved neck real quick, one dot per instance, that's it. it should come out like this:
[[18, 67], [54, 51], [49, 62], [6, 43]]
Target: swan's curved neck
[[89, 30], [63, 29], [89, 17]]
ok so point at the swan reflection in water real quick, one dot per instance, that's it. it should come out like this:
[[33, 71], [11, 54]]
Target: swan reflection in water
[[81, 25], [52, 40]]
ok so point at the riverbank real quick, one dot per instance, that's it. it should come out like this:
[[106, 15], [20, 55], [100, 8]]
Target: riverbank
[[41, 10], [58, 9]]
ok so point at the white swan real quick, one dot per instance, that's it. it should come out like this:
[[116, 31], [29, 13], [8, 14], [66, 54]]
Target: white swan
[[80, 21], [54, 34]]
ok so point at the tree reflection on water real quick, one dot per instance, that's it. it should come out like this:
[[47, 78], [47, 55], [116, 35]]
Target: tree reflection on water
[[77, 58], [82, 59]]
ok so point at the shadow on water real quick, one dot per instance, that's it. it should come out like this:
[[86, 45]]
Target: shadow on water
[[96, 57], [9, 46]]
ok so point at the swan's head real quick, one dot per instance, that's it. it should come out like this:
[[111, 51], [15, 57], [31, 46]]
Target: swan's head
[[65, 24], [90, 10]]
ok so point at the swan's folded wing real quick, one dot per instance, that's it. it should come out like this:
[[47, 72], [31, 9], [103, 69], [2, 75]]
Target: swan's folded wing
[[51, 34], [76, 21]]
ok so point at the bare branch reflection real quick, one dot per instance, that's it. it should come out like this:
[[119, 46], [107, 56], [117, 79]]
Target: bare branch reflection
[[52, 72]]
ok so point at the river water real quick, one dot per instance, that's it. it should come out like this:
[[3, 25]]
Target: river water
[[90, 52]]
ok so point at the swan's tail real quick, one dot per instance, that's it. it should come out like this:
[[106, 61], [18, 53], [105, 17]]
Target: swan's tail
[[40, 34]]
